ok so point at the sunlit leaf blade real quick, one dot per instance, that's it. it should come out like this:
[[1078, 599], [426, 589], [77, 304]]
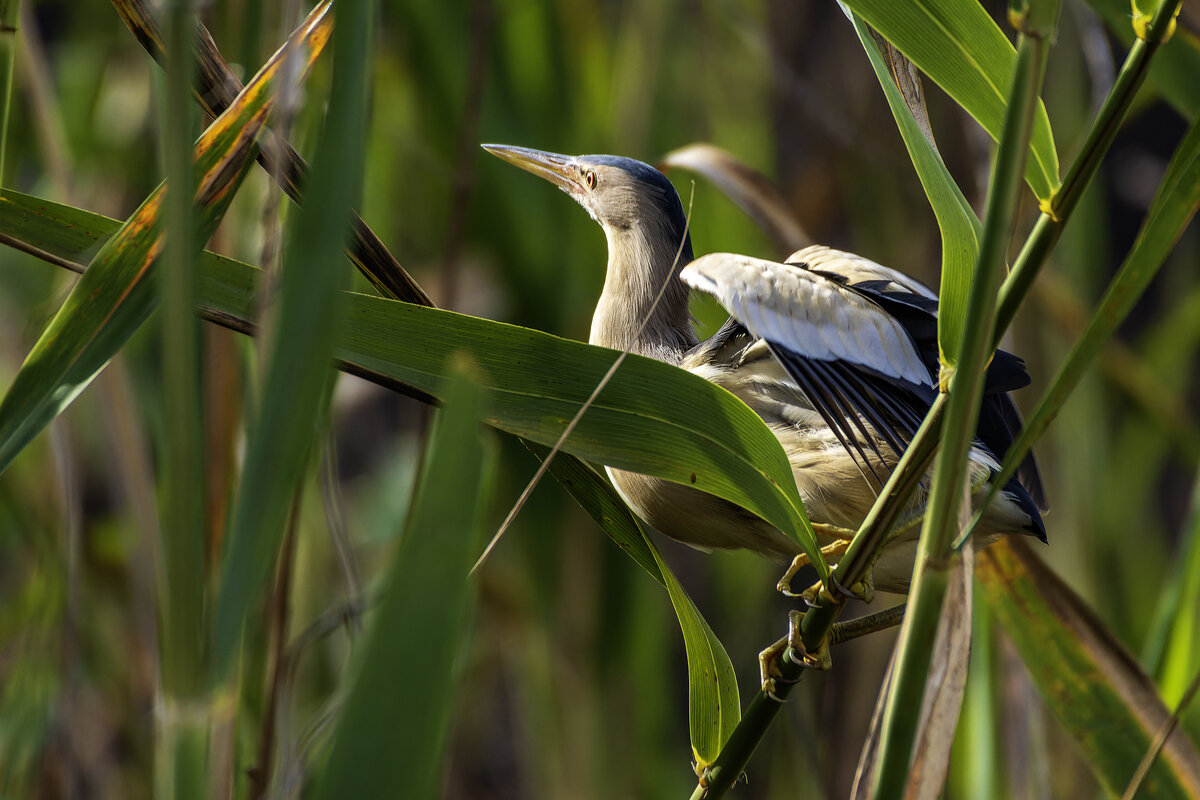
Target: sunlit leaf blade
[[960, 228], [713, 702], [392, 729], [116, 294], [298, 362], [961, 49], [749, 189], [217, 87], [1093, 687], [704, 437], [1171, 212]]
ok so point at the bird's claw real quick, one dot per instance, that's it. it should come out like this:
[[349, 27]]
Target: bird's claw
[[791, 648], [799, 562]]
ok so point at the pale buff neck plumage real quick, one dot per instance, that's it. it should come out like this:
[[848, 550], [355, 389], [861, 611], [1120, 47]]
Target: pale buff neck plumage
[[641, 257]]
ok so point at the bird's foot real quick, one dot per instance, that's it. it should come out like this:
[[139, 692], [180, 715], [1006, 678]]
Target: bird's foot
[[801, 561], [791, 648]]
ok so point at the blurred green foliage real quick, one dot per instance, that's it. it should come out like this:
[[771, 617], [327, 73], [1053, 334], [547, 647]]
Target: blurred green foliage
[[572, 685]]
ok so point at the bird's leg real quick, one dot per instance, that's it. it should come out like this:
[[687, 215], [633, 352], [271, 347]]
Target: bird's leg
[[819, 594], [864, 589], [792, 648], [841, 537]]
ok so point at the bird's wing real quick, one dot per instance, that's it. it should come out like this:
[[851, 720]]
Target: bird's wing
[[854, 361], [854, 269], [915, 306], [860, 341], [808, 314]]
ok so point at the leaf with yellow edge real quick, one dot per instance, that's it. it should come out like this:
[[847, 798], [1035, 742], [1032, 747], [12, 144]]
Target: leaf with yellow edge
[[117, 294]]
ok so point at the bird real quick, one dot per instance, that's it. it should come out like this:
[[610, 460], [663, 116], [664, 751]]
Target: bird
[[836, 353]]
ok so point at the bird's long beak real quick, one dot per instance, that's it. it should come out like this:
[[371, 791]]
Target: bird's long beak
[[558, 169]]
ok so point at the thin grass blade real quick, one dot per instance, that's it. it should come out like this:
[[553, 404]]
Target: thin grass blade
[[304, 329], [1180, 659], [391, 734], [117, 294]]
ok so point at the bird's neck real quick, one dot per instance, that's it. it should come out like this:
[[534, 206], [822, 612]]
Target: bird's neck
[[640, 261]]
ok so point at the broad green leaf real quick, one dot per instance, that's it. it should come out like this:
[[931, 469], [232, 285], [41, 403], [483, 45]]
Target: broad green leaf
[[959, 227], [1089, 682], [702, 437], [116, 294], [961, 49], [1172, 210], [713, 704], [534, 382], [393, 726], [299, 348]]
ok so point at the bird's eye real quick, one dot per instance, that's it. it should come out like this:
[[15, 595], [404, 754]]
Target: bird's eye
[[589, 178]]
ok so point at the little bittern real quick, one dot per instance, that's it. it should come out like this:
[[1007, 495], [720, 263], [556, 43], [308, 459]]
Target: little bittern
[[836, 353]]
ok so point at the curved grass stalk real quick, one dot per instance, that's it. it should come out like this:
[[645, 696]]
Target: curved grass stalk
[[931, 572]]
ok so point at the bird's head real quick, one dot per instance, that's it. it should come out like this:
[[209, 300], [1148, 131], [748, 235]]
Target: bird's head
[[623, 195]]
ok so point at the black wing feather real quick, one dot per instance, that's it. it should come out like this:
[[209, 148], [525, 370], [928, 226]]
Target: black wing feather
[[848, 396]]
